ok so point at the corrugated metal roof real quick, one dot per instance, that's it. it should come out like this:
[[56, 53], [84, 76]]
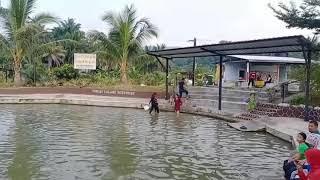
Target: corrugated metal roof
[[261, 46], [270, 59]]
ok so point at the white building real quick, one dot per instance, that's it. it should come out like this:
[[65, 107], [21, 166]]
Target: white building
[[238, 67]]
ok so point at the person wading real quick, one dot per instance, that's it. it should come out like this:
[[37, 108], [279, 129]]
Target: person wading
[[154, 103]]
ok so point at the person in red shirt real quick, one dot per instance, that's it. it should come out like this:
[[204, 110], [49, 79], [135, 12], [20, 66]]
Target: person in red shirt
[[252, 78], [313, 158], [177, 104]]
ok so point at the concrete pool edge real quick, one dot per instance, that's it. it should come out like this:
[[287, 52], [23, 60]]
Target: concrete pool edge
[[123, 102], [106, 101], [284, 128]]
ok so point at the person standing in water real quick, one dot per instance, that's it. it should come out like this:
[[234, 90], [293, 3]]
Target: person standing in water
[[177, 104], [154, 103]]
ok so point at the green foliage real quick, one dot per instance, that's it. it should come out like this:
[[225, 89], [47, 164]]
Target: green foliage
[[39, 72], [252, 104], [124, 42], [121, 52], [65, 72], [20, 30], [304, 16], [298, 73], [154, 79], [71, 30], [297, 100]]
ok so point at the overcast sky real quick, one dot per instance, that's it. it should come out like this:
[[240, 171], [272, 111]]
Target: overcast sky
[[180, 20]]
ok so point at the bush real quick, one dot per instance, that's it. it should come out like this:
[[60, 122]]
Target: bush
[[153, 79], [65, 72], [41, 73], [298, 73], [297, 100]]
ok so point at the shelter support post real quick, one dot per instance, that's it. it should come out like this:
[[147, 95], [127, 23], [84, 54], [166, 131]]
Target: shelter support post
[[167, 79], [194, 64], [307, 85], [220, 84], [194, 71], [248, 71], [160, 62]]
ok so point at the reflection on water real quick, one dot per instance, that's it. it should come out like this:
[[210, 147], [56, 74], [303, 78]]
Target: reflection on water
[[75, 142]]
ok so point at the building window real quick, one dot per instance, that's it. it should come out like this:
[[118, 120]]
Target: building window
[[242, 74]]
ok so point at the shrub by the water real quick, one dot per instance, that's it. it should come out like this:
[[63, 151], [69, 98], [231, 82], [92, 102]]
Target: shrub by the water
[[297, 100], [66, 72]]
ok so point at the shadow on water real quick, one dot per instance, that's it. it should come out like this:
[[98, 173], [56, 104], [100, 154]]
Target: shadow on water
[[154, 120]]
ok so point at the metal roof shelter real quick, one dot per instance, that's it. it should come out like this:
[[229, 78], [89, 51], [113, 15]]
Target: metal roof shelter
[[252, 47], [268, 59]]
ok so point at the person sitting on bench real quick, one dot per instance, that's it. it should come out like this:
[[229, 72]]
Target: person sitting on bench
[[268, 81]]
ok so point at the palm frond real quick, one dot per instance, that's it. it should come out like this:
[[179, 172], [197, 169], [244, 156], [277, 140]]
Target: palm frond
[[4, 43], [44, 18], [30, 6], [110, 18], [146, 33], [104, 42]]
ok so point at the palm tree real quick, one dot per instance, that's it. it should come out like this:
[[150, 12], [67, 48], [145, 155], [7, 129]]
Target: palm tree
[[55, 56], [68, 29], [19, 31], [71, 30], [126, 37]]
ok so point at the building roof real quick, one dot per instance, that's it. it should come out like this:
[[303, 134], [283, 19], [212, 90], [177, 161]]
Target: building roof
[[260, 46], [270, 59]]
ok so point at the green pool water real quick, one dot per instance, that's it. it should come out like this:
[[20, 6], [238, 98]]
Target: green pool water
[[62, 142]]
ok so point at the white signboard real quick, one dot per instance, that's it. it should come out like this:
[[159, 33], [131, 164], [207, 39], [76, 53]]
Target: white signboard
[[85, 61]]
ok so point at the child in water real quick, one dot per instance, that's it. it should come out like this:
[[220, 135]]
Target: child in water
[[154, 103], [177, 103]]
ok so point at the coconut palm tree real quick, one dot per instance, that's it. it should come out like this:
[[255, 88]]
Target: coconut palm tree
[[19, 31], [126, 37]]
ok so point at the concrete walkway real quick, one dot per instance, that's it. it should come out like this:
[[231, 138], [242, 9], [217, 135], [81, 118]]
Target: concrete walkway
[[282, 127], [110, 101]]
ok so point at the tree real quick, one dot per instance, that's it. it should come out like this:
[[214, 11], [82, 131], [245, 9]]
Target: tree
[[71, 30], [19, 31], [125, 38], [149, 63], [55, 56], [305, 16]]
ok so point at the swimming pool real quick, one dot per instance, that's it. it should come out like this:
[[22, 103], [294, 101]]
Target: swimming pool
[[82, 142]]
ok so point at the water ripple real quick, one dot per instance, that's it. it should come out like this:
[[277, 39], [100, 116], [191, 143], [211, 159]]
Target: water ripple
[[76, 142]]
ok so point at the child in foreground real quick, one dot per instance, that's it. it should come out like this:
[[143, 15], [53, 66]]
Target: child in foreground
[[302, 148], [177, 104], [290, 167]]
